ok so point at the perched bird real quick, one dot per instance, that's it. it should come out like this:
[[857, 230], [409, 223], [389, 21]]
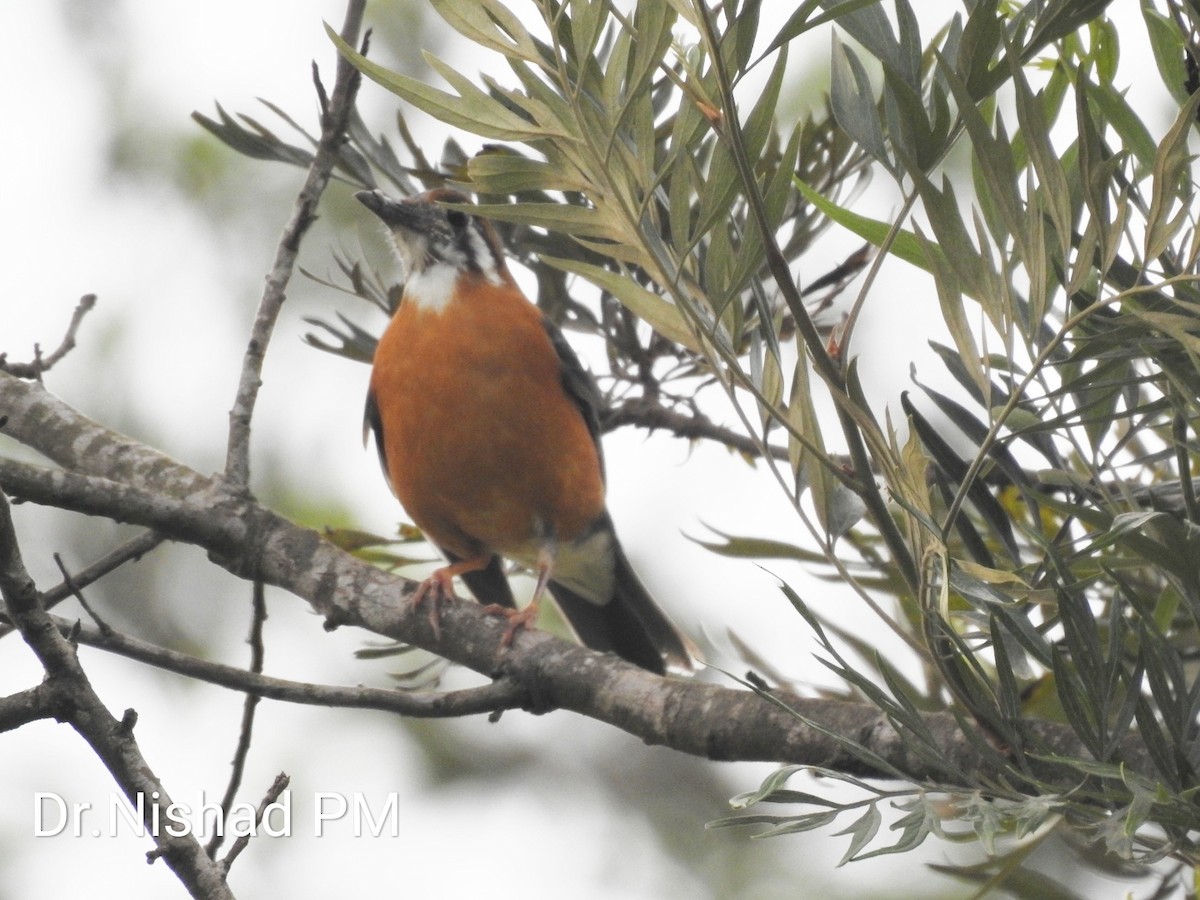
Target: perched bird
[[487, 430]]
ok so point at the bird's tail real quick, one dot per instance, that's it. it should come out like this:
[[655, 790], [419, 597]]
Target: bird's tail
[[631, 624]]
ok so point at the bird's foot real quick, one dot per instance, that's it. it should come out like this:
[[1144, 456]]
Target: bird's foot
[[517, 619], [437, 589]]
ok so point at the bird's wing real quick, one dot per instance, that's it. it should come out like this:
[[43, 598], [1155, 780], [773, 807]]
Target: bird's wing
[[579, 384], [372, 422]]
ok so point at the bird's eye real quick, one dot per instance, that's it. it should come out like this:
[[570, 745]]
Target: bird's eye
[[456, 217]]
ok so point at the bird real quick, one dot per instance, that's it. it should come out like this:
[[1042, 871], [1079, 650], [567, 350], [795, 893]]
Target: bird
[[487, 428]]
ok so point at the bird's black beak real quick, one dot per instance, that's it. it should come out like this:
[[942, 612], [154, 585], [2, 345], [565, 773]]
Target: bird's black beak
[[394, 213]]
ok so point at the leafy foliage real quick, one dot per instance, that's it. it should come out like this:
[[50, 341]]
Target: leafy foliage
[[1042, 562]]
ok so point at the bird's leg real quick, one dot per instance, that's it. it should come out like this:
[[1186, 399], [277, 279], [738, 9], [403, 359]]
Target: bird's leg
[[438, 588], [527, 617]]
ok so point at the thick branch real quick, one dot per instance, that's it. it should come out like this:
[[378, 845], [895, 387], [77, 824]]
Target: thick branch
[[38, 419], [27, 706], [702, 719], [78, 704]]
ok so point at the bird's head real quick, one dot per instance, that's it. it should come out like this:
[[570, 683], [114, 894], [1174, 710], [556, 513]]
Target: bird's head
[[432, 230]]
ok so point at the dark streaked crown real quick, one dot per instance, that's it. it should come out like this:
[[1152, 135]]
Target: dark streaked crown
[[431, 228]]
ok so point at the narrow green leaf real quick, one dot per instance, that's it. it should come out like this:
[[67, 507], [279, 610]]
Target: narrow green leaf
[[802, 21], [1170, 164], [561, 217], [1167, 45], [661, 315], [740, 547], [1035, 130], [906, 246], [490, 24], [853, 103], [759, 124], [477, 113], [588, 18], [502, 172], [1134, 134], [1059, 19], [863, 831], [744, 32], [770, 785]]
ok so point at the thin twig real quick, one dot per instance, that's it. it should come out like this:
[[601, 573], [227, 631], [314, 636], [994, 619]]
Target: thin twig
[[42, 364], [498, 695], [132, 549], [78, 595], [334, 119], [645, 412], [242, 751], [278, 786]]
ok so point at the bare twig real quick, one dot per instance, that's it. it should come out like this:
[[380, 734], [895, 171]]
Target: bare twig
[[112, 740], [645, 412], [78, 595], [42, 364], [132, 549], [242, 751], [278, 786], [334, 118], [499, 695]]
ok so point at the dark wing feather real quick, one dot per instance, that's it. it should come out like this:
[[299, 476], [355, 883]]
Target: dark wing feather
[[579, 384], [630, 624], [372, 422]]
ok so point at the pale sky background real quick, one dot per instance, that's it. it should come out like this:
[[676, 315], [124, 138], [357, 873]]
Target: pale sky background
[[598, 815]]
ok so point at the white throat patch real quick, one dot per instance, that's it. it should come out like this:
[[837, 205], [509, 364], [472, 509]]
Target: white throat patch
[[431, 288], [433, 272]]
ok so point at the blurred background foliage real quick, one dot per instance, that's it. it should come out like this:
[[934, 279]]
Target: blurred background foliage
[[1023, 521]]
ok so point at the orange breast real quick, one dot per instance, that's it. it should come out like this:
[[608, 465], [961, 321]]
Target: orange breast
[[485, 449]]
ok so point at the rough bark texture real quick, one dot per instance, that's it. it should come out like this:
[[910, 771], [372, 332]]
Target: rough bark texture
[[104, 473]]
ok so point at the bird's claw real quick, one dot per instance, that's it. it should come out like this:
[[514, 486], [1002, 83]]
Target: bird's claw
[[517, 619], [438, 588]]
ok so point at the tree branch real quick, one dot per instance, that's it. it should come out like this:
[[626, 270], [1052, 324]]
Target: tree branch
[[132, 549], [278, 786], [36, 418], [249, 706], [27, 706], [111, 740], [645, 412], [334, 119], [491, 698], [41, 363], [702, 719]]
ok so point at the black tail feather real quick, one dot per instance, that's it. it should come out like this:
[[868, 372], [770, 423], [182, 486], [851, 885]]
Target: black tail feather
[[631, 624]]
